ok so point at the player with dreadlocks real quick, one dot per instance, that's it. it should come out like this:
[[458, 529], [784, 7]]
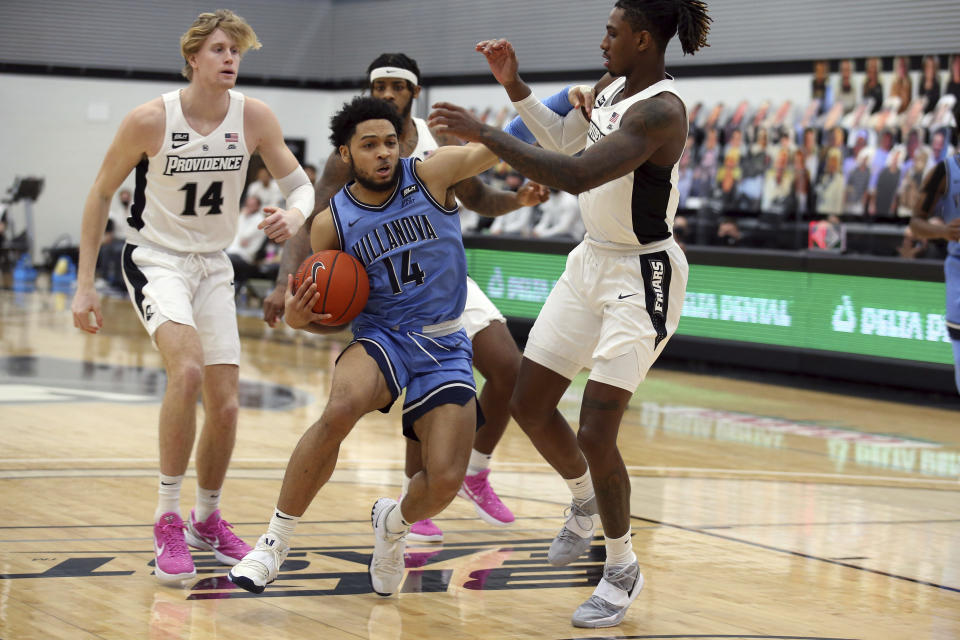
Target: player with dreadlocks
[[620, 296]]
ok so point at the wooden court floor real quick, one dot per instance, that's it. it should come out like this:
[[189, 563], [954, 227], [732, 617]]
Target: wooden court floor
[[759, 511]]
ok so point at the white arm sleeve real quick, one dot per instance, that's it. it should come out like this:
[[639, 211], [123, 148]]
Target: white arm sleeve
[[567, 134], [297, 191]]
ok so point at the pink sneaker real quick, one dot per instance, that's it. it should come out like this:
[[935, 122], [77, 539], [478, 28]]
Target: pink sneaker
[[214, 535], [477, 490], [425, 531], [173, 562]]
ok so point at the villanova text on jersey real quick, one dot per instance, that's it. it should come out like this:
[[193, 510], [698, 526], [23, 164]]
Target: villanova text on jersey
[[412, 250]]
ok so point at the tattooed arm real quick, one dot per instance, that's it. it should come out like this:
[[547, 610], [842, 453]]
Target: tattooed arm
[[489, 202], [651, 130]]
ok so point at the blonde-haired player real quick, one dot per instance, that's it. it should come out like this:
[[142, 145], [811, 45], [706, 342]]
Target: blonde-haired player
[[190, 149]]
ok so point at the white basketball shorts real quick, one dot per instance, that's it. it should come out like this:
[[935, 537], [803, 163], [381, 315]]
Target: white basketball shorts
[[195, 289], [479, 312], [611, 312]]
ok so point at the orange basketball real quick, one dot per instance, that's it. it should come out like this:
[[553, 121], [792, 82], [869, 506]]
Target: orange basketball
[[341, 281]]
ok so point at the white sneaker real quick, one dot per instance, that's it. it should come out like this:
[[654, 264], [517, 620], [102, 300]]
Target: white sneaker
[[386, 563], [261, 566], [617, 590]]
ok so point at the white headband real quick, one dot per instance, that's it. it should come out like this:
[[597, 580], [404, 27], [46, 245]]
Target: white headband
[[394, 72]]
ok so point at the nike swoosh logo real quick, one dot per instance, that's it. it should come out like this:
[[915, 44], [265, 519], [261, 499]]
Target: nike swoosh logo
[[166, 484], [282, 517], [621, 296], [159, 549], [352, 222], [177, 146]]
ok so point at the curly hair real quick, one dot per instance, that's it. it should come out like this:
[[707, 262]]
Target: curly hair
[[362, 108]]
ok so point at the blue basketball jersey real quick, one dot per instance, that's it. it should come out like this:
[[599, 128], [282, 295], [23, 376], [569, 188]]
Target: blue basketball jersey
[[412, 249], [951, 198]]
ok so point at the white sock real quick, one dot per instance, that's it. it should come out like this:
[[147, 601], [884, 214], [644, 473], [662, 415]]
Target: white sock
[[396, 523], [405, 485], [581, 488], [169, 491], [281, 526], [208, 501], [478, 462], [620, 550]]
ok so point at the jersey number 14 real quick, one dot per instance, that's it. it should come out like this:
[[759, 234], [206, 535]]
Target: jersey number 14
[[409, 272], [210, 198]]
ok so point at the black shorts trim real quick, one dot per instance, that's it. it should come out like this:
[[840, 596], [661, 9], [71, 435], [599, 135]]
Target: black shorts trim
[[657, 269], [447, 393], [954, 332], [135, 277]]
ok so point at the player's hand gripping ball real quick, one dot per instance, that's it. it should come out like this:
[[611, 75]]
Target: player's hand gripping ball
[[341, 282]]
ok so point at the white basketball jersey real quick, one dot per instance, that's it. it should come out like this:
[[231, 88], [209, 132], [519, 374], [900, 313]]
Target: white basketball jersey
[[635, 210], [425, 141], [187, 196]]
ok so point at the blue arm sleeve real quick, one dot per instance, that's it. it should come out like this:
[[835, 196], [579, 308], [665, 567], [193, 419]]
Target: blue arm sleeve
[[559, 103]]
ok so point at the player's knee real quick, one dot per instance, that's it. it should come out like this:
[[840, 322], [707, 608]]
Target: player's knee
[[594, 442], [444, 483], [532, 419], [224, 414], [503, 378], [338, 419], [185, 374], [520, 409]]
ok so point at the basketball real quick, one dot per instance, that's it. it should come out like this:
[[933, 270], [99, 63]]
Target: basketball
[[341, 281]]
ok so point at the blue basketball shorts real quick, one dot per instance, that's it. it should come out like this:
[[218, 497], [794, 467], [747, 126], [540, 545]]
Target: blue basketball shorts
[[434, 370]]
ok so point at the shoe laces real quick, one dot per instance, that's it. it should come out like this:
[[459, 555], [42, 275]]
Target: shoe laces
[[391, 560], [223, 531], [617, 574], [174, 543], [578, 515], [568, 536], [252, 565], [389, 564], [480, 487]]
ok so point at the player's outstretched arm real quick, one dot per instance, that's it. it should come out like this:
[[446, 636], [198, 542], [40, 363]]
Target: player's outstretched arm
[[646, 127], [492, 203], [934, 187], [267, 138], [449, 165], [139, 135], [335, 174], [502, 60], [477, 196], [560, 123]]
